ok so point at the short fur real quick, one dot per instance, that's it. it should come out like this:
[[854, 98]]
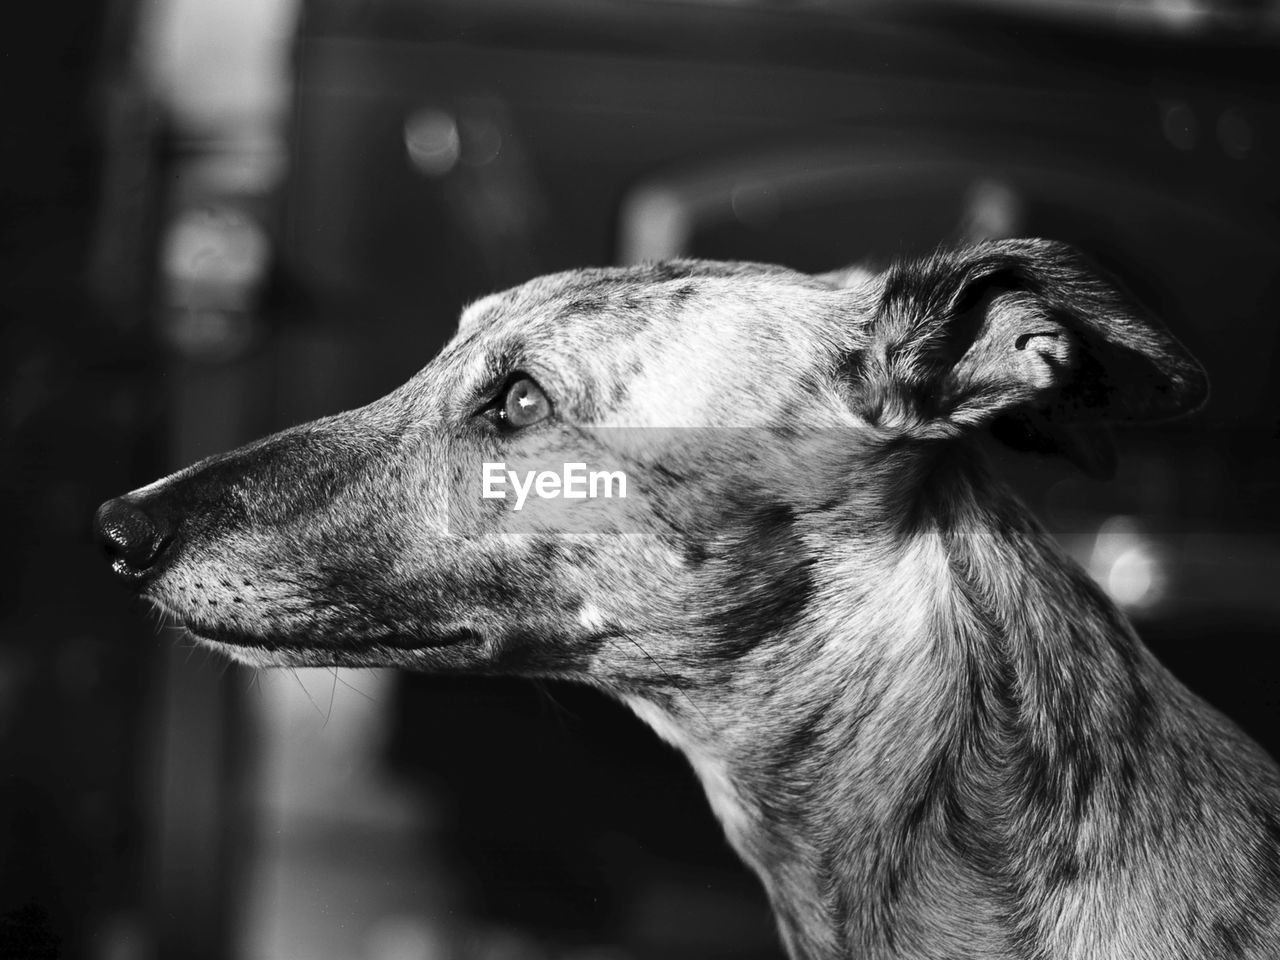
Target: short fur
[[925, 728]]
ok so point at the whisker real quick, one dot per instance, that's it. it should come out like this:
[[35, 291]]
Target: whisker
[[294, 673], [664, 673], [333, 689], [558, 709], [353, 688]]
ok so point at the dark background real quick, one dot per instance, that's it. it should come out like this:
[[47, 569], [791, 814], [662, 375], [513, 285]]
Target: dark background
[[173, 285]]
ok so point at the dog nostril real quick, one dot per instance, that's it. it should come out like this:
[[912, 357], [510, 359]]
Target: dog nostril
[[131, 539]]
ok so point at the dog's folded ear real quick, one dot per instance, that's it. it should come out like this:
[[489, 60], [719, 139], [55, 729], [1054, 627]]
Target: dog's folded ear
[[1026, 336]]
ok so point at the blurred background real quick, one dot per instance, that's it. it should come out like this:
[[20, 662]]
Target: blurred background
[[221, 217]]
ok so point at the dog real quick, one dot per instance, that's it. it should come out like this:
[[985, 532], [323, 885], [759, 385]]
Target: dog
[[924, 727]]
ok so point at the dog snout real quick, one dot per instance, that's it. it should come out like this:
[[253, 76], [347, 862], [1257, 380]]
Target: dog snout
[[133, 539]]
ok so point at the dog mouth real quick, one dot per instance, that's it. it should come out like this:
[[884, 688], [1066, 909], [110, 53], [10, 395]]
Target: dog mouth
[[223, 636]]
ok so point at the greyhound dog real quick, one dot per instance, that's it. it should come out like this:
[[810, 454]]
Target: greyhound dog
[[923, 726]]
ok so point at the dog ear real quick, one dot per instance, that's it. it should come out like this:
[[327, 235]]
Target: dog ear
[[1026, 336]]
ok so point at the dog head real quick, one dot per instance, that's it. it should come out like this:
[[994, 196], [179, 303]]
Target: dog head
[[745, 407]]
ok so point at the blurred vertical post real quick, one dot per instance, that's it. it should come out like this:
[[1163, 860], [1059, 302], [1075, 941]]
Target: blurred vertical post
[[219, 70]]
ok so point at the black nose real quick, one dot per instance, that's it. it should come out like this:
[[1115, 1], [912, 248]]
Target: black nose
[[132, 539]]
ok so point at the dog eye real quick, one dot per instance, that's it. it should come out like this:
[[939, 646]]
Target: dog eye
[[523, 404]]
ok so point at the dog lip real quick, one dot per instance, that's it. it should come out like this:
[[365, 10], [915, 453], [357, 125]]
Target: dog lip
[[231, 637], [400, 642]]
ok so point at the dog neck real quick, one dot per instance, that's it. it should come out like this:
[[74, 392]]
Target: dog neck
[[907, 746]]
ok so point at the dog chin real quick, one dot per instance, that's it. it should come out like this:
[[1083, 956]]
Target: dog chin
[[240, 653]]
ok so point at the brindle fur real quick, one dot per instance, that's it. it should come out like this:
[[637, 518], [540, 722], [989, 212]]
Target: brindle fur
[[923, 726]]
